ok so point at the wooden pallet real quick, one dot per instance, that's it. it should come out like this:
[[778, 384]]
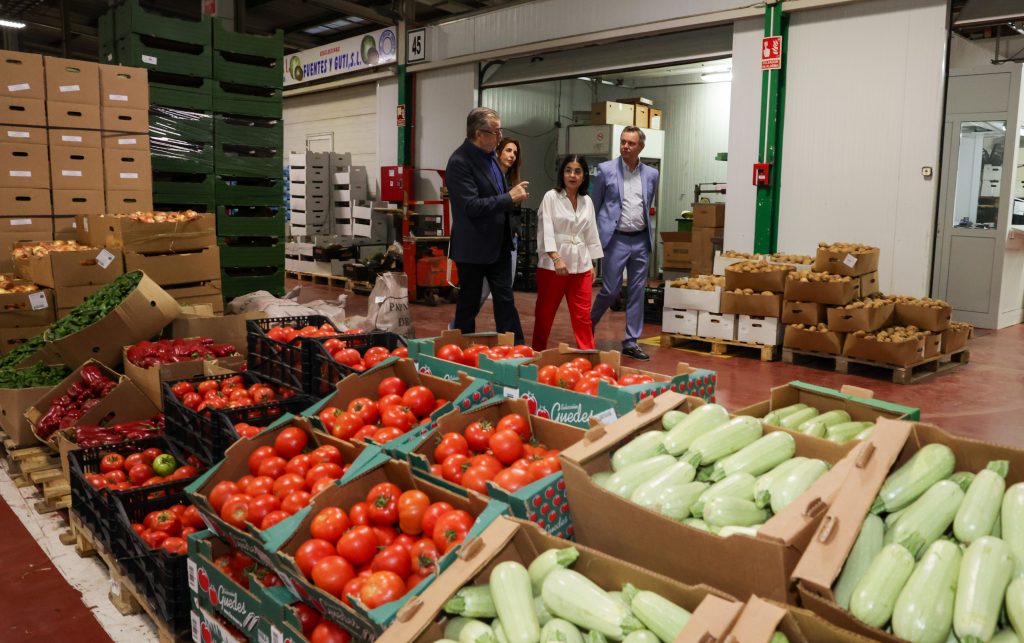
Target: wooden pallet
[[325, 280], [39, 466], [910, 374], [124, 595], [718, 346]]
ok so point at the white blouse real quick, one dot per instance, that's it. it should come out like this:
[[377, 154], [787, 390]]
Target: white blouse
[[571, 233]]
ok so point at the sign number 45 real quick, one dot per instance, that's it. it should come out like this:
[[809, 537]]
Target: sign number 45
[[416, 46]]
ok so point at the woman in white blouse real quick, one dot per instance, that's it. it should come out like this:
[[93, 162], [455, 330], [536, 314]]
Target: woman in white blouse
[[568, 246]]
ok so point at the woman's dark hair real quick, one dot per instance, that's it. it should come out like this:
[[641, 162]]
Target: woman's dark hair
[[512, 176], [560, 184]]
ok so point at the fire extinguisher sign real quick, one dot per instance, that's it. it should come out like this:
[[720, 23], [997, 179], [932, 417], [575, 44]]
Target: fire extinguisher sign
[[771, 53]]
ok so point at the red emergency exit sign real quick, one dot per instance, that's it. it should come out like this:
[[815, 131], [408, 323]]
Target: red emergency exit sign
[[771, 53]]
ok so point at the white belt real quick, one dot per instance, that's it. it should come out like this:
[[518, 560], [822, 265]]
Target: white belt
[[569, 238]]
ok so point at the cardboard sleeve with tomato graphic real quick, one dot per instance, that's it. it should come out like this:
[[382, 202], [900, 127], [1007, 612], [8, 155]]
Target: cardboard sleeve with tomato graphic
[[491, 356]]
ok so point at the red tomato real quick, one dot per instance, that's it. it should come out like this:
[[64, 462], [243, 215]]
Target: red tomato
[[477, 434], [236, 510], [295, 501], [451, 529], [310, 553], [116, 476], [391, 386], [449, 352], [420, 400], [261, 506], [451, 444], [259, 485], [140, 472], [514, 479], [352, 588], [96, 480], [272, 519], [328, 414], [308, 616], [246, 430], [388, 400], [244, 481], [358, 545], [290, 442], [132, 460], [111, 462], [375, 355], [471, 355], [191, 400], [476, 479], [400, 351], [192, 518], [320, 485], [412, 505], [208, 386], [545, 466], [174, 545], [386, 434], [394, 558], [181, 388], [386, 535], [288, 483], [453, 467], [365, 408], [506, 445], [587, 386], [517, 423], [604, 369], [582, 364], [329, 524], [365, 433], [548, 375], [323, 470], [521, 350], [345, 425], [399, 417], [405, 541], [332, 573], [359, 513], [274, 466], [568, 376], [383, 503], [424, 555], [487, 461], [220, 492], [325, 453], [258, 455], [299, 465], [381, 588], [327, 632]]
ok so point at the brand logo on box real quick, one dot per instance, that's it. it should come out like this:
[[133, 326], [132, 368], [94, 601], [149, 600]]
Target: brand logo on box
[[230, 601]]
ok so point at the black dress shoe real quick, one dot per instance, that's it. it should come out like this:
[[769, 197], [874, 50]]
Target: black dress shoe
[[636, 353]]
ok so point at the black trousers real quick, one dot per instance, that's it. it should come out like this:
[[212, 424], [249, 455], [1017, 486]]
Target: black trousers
[[499, 276]]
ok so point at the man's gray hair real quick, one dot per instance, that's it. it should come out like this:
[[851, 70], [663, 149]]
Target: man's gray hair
[[477, 120], [635, 130]]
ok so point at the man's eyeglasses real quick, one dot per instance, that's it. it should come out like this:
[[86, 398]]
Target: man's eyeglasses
[[496, 132]]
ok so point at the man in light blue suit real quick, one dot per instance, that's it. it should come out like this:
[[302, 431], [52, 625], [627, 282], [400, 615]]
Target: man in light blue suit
[[623, 191]]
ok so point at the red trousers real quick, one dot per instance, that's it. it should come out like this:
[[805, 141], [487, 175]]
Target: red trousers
[[551, 289]]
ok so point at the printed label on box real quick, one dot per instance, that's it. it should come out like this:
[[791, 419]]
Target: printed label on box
[[196, 627], [115, 588], [70, 139], [129, 175], [70, 88], [20, 87], [149, 60], [193, 576], [511, 393], [21, 221], [21, 173], [117, 97], [16, 134], [38, 301], [607, 416], [126, 141], [104, 258], [275, 635], [71, 172], [850, 261], [85, 224]]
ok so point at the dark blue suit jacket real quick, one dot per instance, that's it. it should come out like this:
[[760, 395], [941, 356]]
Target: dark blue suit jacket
[[480, 209]]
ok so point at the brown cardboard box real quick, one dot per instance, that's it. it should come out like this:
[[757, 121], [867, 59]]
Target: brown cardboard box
[[71, 268], [129, 234], [892, 444], [125, 119], [510, 539], [708, 215], [744, 564], [64, 227], [655, 118], [933, 345], [869, 284], [25, 202], [677, 248], [24, 166], [124, 87], [11, 338], [641, 116], [75, 138], [760, 619], [67, 297], [774, 281], [902, 354], [849, 320], [76, 168], [955, 339], [611, 113], [78, 201], [704, 242], [22, 111], [129, 201], [802, 312], [21, 309], [839, 263], [22, 135], [13, 403], [637, 100], [808, 340], [711, 621], [21, 75], [19, 230], [209, 294], [177, 268], [127, 169], [141, 315], [126, 141], [72, 115], [756, 305], [925, 318], [832, 293], [72, 81]]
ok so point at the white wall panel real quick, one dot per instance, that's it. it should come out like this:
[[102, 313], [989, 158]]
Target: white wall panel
[[861, 121], [387, 132], [744, 129], [443, 99]]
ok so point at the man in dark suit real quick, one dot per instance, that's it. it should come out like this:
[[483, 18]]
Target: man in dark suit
[[481, 228], [623, 191]]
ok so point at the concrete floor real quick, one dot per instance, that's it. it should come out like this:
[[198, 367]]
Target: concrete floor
[[983, 399]]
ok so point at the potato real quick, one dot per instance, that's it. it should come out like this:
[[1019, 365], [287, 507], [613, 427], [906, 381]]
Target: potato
[[735, 254], [758, 267], [809, 276], [702, 282], [848, 248]]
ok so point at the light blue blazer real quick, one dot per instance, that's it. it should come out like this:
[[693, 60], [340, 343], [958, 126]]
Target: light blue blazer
[[606, 192]]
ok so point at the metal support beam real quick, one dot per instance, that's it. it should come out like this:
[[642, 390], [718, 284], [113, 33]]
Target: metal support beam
[[347, 8], [769, 151], [65, 28], [406, 86], [240, 7]]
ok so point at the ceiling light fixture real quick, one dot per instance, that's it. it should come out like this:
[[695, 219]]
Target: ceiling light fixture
[[721, 76], [12, 25]]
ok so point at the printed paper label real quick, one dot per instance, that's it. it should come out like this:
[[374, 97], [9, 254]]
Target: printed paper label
[[14, 134], [71, 172], [37, 301], [85, 224], [193, 576], [149, 60], [196, 627], [104, 258], [126, 141], [607, 416], [20, 87], [850, 261], [70, 88], [115, 588], [21, 173], [511, 393], [120, 97], [70, 139], [276, 636], [21, 221], [129, 175]]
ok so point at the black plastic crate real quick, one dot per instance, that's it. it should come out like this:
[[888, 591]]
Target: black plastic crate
[[202, 432], [324, 372], [95, 506], [281, 362], [160, 575]]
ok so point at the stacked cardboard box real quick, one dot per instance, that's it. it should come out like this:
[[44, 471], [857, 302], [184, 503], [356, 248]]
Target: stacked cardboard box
[[708, 231], [638, 111], [25, 311]]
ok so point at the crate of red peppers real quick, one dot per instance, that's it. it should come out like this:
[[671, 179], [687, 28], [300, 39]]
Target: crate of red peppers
[[200, 410], [99, 475], [151, 544], [277, 345], [403, 529], [332, 359]]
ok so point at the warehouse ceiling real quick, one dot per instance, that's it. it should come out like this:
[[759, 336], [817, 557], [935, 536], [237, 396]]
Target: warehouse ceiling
[[306, 23]]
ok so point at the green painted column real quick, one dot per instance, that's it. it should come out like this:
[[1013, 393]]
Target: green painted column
[[773, 99]]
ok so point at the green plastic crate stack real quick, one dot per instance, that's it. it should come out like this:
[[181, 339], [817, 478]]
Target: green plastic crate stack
[[248, 73], [182, 147], [250, 263]]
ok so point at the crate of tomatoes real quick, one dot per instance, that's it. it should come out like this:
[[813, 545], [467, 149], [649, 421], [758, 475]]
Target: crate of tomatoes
[[498, 449], [390, 400], [267, 478], [491, 356], [285, 618], [201, 410], [277, 346], [101, 475], [332, 359], [401, 528]]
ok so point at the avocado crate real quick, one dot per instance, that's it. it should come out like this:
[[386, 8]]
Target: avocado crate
[[281, 362], [177, 156], [250, 219], [246, 130], [243, 280], [323, 372], [249, 190], [190, 93], [131, 16], [164, 54], [247, 100], [202, 432], [250, 159], [96, 506], [180, 124], [160, 575]]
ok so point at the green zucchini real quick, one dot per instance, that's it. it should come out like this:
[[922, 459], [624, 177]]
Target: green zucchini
[[924, 609], [601, 478], [671, 419], [477, 632], [658, 614], [735, 530], [541, 610], [454, 627], [722, 441], [762, 496], [980, 509], [649, 493], [572, 596], [595, 637], [865, 548], [788, 488], [646, 445], [725, 511], [865, 434], [1015, 603], [794, 420], [921, 524], [890, 519], [701, 420], [549, 561], [963, 479], [625, 481], [1011, 518], [738, 485], [641, 636], [499, 631], [931, 463], [776, 416], [984, 575], [472, 601], [779, 637], [760, 456], [674, 501], [874, 598], [1005, 636], [513, 600], [560, 631], [824, 421], [697, 523], [846, 431]]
